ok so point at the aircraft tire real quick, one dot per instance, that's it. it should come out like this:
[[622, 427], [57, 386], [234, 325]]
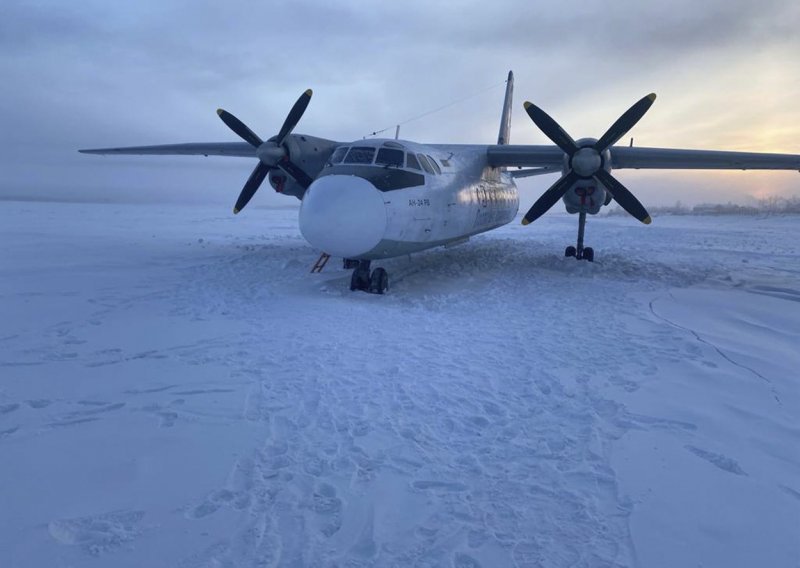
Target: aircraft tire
[[588, 254], [379, 281], [359, 280], [570, 251]]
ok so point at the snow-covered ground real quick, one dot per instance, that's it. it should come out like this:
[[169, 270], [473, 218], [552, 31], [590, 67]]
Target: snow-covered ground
[[178, 390]]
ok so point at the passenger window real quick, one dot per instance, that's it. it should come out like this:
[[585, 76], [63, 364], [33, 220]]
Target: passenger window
[[390, 157], [424, 163], [411, 162], [360, 155], [338, 154], [435, 165]]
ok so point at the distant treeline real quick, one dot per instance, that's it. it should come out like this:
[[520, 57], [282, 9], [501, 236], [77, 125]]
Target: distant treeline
[[766, 206]]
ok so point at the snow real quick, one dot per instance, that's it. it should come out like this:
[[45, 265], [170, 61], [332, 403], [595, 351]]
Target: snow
[[178, 390]]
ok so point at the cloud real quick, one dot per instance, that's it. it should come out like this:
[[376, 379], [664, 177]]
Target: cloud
[[91, 73]]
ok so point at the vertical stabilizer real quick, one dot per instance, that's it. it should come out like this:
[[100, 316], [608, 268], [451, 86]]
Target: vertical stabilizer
[[505, 119]]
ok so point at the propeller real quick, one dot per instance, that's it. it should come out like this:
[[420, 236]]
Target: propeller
[[587, 162], [271, 154]]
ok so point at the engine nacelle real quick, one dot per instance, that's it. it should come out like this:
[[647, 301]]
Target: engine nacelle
[[283, 183], [307, 152], [587, 194]]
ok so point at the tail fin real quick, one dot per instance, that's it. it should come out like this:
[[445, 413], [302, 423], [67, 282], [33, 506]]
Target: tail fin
[[505, 118]]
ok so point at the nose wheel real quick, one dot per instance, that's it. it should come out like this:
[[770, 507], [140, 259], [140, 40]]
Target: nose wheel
[[375, 282], [579, 251]]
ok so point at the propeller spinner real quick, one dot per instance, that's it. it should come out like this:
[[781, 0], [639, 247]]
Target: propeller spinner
[[271, 154], [587, 162]]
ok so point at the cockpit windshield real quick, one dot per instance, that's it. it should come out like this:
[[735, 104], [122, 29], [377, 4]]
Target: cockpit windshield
[[389, 154], [388, 165], [338, 154], [360, 155], [390, 157]]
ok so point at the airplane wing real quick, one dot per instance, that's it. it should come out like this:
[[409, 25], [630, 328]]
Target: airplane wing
[[623, 157], [534, 172], [241, 149], [669, 159], [516, 155]]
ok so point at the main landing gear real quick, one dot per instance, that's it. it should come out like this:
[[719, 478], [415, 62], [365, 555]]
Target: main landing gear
[[580, 252], [376, 282]]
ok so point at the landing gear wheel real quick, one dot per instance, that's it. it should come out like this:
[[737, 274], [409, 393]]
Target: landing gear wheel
[[579, 252], [360, 279], [379, 281]]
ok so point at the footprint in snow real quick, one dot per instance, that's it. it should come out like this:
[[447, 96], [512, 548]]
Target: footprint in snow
[[202, 391], [212, 503], [328, 507], [70, 422], [98, 408], [461, 560], [8, 432], [150, 390], [8, 408], [98, 533], [453, 486], [723, 462]]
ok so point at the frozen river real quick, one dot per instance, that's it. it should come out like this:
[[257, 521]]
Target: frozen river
[[178, 390]]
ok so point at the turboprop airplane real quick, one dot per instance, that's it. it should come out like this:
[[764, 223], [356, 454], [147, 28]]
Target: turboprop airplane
[[375, 199]]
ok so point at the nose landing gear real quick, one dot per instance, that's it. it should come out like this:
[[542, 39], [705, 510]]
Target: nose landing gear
[[376, 282], [580, 252]]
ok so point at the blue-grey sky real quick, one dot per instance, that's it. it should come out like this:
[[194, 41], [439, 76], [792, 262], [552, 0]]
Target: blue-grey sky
[[92, 73]]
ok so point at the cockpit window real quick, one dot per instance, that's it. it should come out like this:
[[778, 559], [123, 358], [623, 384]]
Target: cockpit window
[[412, 162], [390, 157], [424, 162], [360, 155], [338, 154], [435, 165]]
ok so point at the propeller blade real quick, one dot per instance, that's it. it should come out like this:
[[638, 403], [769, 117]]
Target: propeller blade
[[253, 183], [551, 128], [624, 197], [625, 122], [298, 174], [294, 116], [550, 197], [239, 128]]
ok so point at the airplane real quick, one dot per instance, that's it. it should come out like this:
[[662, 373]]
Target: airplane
[[379, 198]]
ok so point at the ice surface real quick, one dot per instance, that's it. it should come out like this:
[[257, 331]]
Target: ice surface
[[178, 390]]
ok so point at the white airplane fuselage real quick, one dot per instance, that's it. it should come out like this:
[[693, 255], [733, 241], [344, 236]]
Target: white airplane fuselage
[[373, 210]]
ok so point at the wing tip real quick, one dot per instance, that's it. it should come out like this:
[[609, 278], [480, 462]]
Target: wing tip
[[647, 220], [525, 221]]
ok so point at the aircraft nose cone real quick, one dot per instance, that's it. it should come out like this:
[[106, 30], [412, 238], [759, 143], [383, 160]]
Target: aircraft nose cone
[[343, 215]]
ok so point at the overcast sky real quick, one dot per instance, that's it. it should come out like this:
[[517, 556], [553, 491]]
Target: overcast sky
[[96, 73]]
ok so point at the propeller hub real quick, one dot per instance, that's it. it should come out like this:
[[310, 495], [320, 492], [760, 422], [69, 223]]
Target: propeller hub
[[270, 153], [586, 161]]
